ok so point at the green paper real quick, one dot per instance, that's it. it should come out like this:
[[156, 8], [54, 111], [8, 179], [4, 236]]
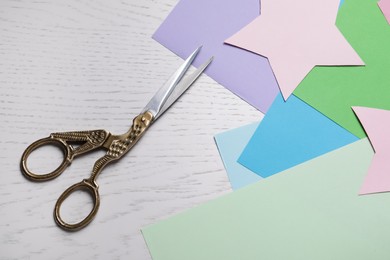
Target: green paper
[[311, 211], [334, 90]]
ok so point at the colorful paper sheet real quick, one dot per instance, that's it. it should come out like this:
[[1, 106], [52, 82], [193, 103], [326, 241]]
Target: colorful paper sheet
[[309, 212], [291, 133], [333, 91], [385, 7], [296, 36], [230, 145], [376, 123], [209, 23]]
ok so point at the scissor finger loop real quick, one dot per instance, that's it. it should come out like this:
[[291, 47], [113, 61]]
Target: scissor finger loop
[[91, 187], [68, 157]]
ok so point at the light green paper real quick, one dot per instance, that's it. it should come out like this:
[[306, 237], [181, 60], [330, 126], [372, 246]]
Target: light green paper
[[311, 211], [334, 90]]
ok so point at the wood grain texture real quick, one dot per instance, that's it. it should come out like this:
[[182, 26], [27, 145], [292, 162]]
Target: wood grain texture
[[81, 65]]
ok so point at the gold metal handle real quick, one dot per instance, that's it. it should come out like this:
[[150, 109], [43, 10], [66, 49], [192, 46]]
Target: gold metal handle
[[87, 140], [87, 185], [117, 147], [68, 157]]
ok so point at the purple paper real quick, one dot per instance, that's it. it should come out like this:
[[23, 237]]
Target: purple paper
[[209, 23]]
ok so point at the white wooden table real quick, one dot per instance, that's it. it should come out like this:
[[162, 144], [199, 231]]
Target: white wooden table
[[80, 65]]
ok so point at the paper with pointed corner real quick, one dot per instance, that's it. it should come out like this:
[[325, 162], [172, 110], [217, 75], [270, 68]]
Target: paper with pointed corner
[[296, 36], [291, 133], [385, 7], [230, 145], [311, 212], [208, 23], [376, 123], [333, 91]]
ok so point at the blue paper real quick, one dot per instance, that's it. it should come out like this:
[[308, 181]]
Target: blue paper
[[291, 133], [230, 145]]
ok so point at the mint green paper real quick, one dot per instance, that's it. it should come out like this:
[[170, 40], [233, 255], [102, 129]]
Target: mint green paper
[[311, 211], [334, 90]]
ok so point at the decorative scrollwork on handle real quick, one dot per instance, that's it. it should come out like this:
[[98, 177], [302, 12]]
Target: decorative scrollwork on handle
[[124, 143], [118, 147], [92, 139], [88, 140]]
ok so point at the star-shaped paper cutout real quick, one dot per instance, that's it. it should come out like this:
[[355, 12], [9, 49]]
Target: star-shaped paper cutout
[[385, 7], [296, 36], [376, 123], [334, 90]]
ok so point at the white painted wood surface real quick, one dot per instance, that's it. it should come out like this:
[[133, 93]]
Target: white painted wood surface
[[80, 65]]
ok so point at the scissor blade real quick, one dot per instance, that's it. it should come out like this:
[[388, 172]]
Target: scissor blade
[[159, 99], [183, 86]]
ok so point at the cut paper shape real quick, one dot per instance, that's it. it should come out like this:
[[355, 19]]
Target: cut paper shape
[[296, 36], [291, 133], [230, 145], [385, 7], [209, 23], [333, 91], [311, 211], [376, 123]]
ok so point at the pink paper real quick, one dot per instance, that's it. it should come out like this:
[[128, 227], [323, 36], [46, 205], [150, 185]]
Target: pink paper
[[296, 36], [376, 123], [385, 7]]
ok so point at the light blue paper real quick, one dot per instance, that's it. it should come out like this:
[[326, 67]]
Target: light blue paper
[[230, 145], [291, 133]]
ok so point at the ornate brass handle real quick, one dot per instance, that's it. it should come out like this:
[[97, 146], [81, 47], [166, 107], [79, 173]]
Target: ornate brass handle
[[118, 146], [90, 140]]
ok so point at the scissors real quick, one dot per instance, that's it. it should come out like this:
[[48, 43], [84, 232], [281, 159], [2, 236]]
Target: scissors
[[116, 145]]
